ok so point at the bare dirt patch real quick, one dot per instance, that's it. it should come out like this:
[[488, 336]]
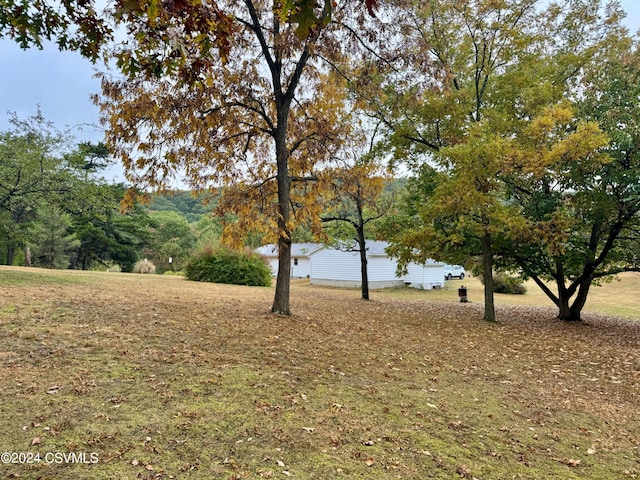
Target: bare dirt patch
[[164, 378]]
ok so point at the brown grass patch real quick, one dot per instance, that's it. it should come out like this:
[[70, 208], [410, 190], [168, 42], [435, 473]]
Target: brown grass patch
[[164, 378]]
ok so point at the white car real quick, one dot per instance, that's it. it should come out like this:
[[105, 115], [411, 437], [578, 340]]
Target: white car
[[453, 271]]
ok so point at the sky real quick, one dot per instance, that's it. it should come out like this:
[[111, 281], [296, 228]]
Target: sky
[[62, 82]]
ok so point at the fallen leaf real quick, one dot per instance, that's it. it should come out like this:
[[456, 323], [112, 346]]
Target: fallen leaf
[[308, 429], [573, 463], [370, 461], [281, 463], [135, 463], [149, 467], [591, 451], [36, 441]]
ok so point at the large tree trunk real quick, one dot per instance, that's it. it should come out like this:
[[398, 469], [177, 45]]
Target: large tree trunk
[[564, 307], [283, 99], [571, 312], [363, 264], [283, 280], [487, 273]]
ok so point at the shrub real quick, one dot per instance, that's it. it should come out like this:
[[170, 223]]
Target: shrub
[[223, 265], [172, 273], [503, 283], [107, 267], [144, 266]]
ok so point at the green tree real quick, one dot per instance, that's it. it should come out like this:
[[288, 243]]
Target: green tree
[[39, 170], [456, 116], [208, 231], [105, 234], [32, 173], [171, 238], [193, 207], [89, 158], [490, 71], [584, 216], [51, 238]]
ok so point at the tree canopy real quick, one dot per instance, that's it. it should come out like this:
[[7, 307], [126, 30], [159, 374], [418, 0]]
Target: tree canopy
[[520, 173], [248, 117]]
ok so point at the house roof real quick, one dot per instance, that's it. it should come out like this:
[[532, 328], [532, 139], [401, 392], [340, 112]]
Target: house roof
[[297, 249], [375, 248]]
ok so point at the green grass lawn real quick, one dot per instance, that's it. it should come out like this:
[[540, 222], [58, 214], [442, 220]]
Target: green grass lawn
[[160, 378]]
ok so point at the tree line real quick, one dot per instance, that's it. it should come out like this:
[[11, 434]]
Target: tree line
[[57, 211], [516, 120]]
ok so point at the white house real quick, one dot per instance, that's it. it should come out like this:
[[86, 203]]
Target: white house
[[427, 276], [338, 267], [300, 260]]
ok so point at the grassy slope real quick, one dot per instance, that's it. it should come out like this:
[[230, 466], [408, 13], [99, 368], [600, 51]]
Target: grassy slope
[[164, 378]]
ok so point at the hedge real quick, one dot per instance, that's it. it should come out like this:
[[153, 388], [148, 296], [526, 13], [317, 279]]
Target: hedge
[[224, 265]]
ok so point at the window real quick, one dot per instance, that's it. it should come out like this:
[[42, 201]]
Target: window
[[295, 261]]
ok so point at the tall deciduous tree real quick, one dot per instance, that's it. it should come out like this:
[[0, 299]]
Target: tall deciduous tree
[[484, 72], [356, 203], [448, 101], [354, 198], [584, 215], [247, 117]]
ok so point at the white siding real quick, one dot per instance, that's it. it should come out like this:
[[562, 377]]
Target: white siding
[[300, 261], [273, 263], [333, 265], [415, 275], [433, 276], [339, 268], [302, 269], [383, 269], [425, 276]]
